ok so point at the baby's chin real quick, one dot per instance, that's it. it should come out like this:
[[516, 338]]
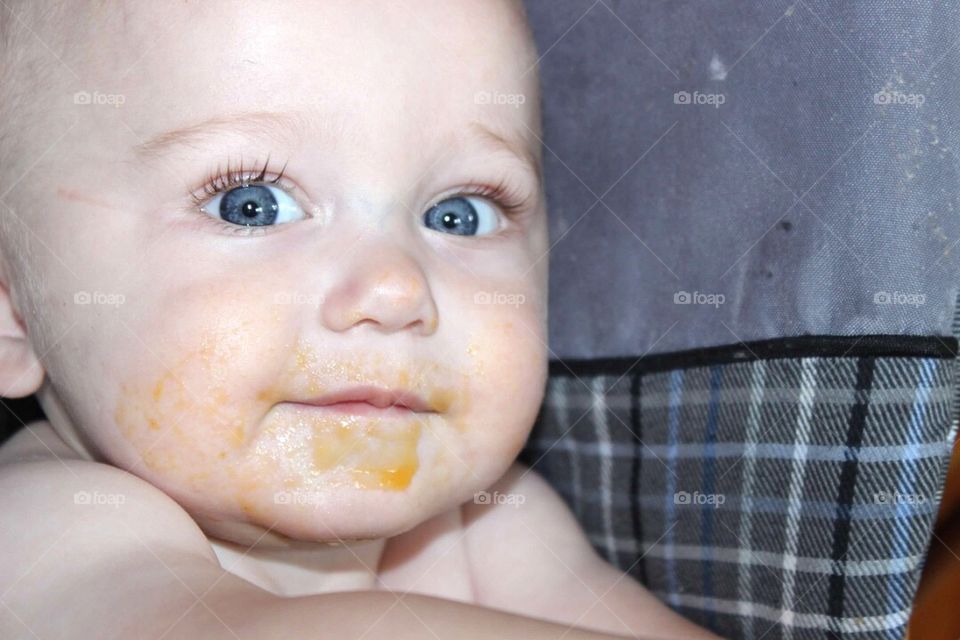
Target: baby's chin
[[350, 490], [333, 514]]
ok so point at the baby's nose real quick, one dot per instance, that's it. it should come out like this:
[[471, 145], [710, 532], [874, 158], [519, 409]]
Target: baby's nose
[[384, 286]]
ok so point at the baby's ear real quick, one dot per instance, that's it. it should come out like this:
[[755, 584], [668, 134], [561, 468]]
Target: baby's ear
[[20, 370]]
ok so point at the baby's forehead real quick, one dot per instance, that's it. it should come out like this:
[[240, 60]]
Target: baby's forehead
[[272, 48], [391, 63], [447, 33]]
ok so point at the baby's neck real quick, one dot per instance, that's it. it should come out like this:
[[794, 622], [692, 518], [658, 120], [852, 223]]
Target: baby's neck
[[304, 568]]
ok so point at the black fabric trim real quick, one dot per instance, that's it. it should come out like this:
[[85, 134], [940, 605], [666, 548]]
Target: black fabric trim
[[806, 346], [847, 489]]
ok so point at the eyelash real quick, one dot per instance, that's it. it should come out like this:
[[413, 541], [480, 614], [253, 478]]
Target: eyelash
[[509, 200], [218, 181]]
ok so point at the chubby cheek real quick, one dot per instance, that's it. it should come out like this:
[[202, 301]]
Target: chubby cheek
[[187, 410], [508, 355]]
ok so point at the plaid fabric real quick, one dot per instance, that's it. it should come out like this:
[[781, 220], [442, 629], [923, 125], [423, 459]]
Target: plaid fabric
[[777, 497]]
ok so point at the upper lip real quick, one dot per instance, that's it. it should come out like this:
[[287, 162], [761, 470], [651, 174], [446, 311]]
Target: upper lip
[[376, 396]]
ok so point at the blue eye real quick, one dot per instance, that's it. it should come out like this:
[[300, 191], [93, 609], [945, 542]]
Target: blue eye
[[462, 216], [254, 206]]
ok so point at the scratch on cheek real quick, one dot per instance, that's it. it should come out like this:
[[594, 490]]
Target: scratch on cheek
[[74, 195]]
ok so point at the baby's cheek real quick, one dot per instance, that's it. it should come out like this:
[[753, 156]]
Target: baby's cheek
[[188, 422], [186, 407], [508, 357]]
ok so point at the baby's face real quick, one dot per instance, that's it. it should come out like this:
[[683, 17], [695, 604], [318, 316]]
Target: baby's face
[[188, 313]]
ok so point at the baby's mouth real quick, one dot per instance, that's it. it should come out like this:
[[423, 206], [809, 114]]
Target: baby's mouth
[[368, 400]]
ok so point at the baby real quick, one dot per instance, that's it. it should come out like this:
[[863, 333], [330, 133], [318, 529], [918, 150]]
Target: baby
[[277, 272]]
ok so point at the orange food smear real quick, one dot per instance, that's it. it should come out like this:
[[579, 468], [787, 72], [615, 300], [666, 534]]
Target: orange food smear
[[370, 454], [374, 457]]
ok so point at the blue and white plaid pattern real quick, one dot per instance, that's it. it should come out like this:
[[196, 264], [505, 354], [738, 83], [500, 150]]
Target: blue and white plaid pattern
[[775, 498]]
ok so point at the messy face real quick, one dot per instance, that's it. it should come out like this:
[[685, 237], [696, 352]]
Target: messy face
[[288, 263]]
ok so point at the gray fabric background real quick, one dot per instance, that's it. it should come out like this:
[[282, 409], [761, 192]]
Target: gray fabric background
[[799, 199]]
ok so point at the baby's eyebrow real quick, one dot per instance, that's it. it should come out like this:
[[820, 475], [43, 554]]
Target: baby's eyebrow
[[294, 126], [273, 124], [514, 145]]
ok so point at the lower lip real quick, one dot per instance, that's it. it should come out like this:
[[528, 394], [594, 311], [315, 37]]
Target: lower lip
[[359, 409]]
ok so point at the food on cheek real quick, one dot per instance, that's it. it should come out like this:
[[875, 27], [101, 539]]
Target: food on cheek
[[188, 423], [183, 418]]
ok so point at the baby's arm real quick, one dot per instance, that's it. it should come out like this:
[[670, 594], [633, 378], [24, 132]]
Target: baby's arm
[[533, 558], [144, 569]]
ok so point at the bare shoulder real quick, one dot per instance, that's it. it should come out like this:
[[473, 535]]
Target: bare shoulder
[[529, 555], [69, 521], [488, 548], [521, 535], [46, 487]]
